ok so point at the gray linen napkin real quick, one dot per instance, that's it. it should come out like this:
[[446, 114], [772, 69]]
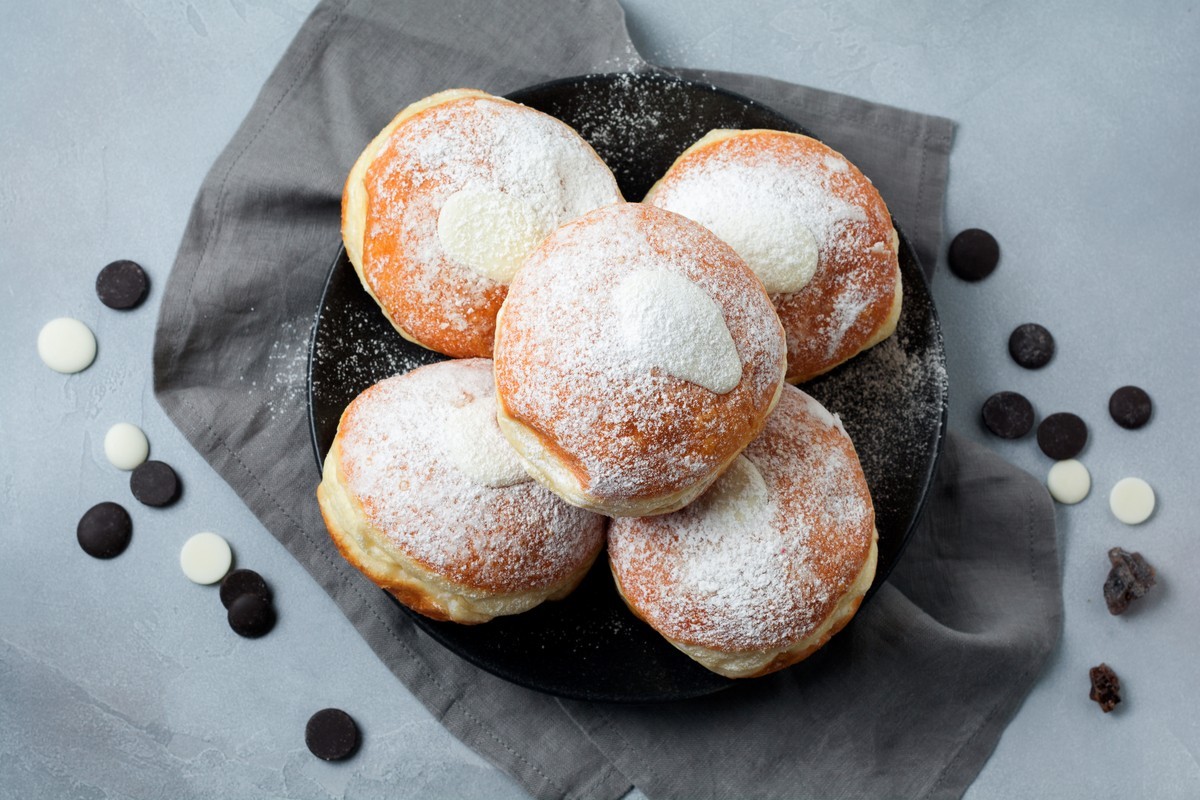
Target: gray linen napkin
[[909, 701]]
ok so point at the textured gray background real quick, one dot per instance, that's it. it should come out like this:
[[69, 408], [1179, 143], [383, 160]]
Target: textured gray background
[[1076, 147]]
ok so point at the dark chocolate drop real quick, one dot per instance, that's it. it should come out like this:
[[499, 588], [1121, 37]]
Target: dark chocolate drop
[[154, 483], [1130, 407], [104, 531], [122, 285], [240, 582], [973, 254], [331, 734], [1031, 346], [1062, 435], [1008, 415], [251, 615]]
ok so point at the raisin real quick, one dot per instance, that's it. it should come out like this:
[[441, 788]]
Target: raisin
[[1106, 687], [1130, 578]]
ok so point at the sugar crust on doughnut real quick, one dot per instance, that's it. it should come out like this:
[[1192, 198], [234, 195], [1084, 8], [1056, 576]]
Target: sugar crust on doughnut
[[458, 139], [602, 432], [853, 300], [747, 581], [441, 542]]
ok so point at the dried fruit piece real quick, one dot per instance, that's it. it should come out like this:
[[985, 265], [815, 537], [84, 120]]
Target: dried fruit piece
[[1130, 578], [1106, 687]]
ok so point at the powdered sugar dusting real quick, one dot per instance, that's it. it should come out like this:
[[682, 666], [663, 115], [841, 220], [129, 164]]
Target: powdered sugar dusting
[[490, 232], [477, 145], [473, 442], [393, 457], [562, 366], [669, 323], [771, 210], [763, 556], [847, 308], [771, 196]]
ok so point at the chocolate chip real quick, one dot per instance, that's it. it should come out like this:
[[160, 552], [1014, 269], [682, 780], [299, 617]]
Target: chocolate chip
[[240, 582], [104, 531], [122, 285], [1106, 687], [251, 615], [1131, 577], [1031, 346], [973, 254], [331, 734], [154, 483], [1062, 435], [1008, 415], [1130, 407]]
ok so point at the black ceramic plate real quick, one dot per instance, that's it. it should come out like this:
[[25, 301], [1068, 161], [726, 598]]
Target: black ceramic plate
[[892, 401]]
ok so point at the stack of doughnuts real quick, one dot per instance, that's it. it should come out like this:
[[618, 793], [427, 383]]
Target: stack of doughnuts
[[623, 367]]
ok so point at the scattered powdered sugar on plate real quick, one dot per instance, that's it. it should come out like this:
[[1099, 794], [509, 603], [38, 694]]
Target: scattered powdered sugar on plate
[[891, 400]]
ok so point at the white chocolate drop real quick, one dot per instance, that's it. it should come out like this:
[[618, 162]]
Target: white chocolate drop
[[669, 323], [474, 444], [205, 558], [1069, 481], [489, 232], [66, 345], [1131, 501], [125, 446]]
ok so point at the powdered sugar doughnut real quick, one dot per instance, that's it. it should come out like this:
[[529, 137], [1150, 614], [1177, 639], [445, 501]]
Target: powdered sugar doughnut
[[448, 200], [422, 494], [770, 562], [809, 224], [636, 355]]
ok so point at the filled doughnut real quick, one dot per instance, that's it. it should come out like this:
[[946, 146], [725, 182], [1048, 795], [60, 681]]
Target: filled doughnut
[[445, 203], [636, 355], [809, 224], [770, 562], [423, 495]]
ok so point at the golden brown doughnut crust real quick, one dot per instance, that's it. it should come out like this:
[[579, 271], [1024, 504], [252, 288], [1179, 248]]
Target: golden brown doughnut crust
[[756, 576], [400, 508], [853, 300], [456, 139], [595, 430]]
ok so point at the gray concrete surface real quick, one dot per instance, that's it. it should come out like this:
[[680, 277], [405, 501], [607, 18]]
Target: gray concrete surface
[[1076, 147]]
